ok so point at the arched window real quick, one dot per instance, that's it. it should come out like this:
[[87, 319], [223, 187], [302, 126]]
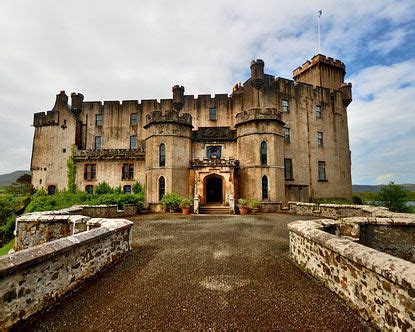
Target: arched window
[[89, 189], [162, 187], [162, 155], [263, 153], [264, 187]]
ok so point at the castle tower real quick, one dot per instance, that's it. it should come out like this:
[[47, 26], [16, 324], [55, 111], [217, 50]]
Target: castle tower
[[168, 151], [260, 143]]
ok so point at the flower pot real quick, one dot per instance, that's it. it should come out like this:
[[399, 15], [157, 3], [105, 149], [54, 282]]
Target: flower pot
[[243, 210], [186, 210]]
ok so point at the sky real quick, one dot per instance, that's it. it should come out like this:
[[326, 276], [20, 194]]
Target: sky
[[119, 50]]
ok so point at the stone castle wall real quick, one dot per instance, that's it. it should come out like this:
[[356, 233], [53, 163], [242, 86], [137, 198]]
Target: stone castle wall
[[34, 278], [379, 286]]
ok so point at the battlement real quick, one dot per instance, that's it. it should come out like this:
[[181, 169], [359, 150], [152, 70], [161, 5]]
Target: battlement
[[169, 116], [319, 58], [258, 114], [50, 118], [110, 154]]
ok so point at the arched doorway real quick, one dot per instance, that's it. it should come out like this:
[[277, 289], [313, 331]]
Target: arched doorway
[[214, 189]]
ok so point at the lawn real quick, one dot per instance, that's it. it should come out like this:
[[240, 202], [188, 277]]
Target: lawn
[[5, 249]]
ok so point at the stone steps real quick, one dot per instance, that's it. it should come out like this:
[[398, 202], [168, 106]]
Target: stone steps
[[214, 209]]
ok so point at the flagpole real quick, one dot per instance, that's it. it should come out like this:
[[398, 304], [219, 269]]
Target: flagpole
[[318, 31]]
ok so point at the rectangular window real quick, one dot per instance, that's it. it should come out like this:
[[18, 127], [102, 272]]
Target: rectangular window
[[214, 152], [128, 171], [285, 106], [133, 119], [320, 138], [133, 142], [322, 171], [287, 137], [318, 111], [98, 142], [99, 119], [90, 171], [212, 114], [288, 169], [127, 189]]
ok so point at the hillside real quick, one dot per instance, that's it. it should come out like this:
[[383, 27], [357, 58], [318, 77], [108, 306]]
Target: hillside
[[358, 188], [7, 179]]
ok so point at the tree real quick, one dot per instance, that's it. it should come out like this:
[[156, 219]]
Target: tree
[[393, 197]]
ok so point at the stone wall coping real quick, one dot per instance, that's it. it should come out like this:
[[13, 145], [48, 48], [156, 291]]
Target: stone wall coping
[[45, 251], [380, 221], [391, 268], [45, 218]]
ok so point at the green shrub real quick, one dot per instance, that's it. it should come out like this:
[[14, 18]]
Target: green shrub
[[357, 200], [254, 203], [171, 201], [138, 188], [186, 203], [242, 202], [103, 188], [393, 197]]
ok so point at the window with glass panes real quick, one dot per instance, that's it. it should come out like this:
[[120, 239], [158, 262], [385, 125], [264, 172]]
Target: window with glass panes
[[133, 118], [128, 171], [133, 142], [98, 142], [287, 137], [90, 171], [212, 114], [318, 111], [322, 171], [320, 138], [288, 169], [99, 119], [285, 106]]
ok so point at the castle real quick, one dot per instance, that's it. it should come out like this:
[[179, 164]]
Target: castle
[[272, 139]]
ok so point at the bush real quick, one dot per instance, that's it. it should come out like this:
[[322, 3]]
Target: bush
[[254, 203], [103, 188], [357, 200], [138, 188], [186, 203], [242, 202], [171, 201], [393, 197]]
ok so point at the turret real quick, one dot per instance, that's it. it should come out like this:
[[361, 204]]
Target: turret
[[346, 90], [76, 101], [178, 97], [61, 100], [257, 74], [321, 71]]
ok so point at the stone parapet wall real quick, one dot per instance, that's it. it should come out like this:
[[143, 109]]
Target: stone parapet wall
[[39, 227], [336, 211], [34, 278], [379, 286]]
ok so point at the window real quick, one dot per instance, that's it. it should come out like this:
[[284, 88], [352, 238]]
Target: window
[[99, 119], [287, 138], [162, 155], [212, 114], [214, 152], [126, 189], [318, 111], [98, 142], [90, 171], [162, 187], [263, 153], [89, 189], [264, 187], [320, 138], [128, 171], [133, 119], [288, 169], [51, 190], [64, 150], [285, 106], [322, 171], [133, 142]]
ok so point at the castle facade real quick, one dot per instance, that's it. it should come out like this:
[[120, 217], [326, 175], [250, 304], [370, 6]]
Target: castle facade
[[272, 139]]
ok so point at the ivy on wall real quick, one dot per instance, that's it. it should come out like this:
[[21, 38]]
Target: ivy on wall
[[71, 173]]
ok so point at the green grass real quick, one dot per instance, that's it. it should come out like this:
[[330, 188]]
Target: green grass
[[5, 249]]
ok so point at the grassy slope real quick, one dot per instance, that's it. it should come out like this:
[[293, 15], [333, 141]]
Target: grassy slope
[[5, 249]]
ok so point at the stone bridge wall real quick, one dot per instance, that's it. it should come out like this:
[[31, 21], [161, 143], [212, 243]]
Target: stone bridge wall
[[34, 278], [381, 287]]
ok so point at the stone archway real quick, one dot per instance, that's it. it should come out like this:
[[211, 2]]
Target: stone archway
[[214, 187]]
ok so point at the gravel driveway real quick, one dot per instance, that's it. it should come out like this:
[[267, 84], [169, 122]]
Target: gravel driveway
[[201, 272]]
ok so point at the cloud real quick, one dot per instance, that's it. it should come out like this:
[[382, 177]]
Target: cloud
[[138, 50], [385, 178]]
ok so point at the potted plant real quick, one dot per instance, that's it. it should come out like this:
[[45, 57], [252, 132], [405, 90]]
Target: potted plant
[[254, 205], [185, 205], [243, 206], [171, 201]]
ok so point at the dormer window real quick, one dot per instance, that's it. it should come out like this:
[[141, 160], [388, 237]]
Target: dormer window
[[212, 114]]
